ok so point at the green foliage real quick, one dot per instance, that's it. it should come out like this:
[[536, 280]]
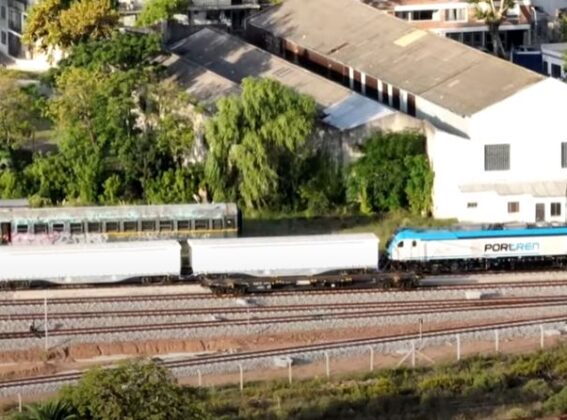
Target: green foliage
[[556, 404], [16, 113], [11, 185], [133, 390], [419, 184], [175, 186], [537, 388], [64, 23], [254, 140], [50, 410], [441, 384], [322, 188], [393, 173], [123, 51], [155, 11]]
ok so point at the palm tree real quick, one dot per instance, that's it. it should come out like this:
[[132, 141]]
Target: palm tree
[[494, 14], [51, 410]]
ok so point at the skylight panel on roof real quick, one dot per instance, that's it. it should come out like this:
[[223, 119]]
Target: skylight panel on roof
[[410, 38]]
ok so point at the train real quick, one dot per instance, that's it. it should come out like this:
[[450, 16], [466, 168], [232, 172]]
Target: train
[[223, 265], [201, 243], [23, 225], [478, 248]]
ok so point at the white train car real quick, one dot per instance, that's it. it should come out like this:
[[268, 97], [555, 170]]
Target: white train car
[[90, 263], [284, 256]]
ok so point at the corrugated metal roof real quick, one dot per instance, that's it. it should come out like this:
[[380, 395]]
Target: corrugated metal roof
[[204, 85], [535, 189], [355, 110], [233, 59], [445, 72]]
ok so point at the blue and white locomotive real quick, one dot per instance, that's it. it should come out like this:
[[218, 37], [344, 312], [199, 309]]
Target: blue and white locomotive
[[495, 247]]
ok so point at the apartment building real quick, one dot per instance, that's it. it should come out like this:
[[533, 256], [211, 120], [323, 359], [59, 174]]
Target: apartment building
[[457, 20]]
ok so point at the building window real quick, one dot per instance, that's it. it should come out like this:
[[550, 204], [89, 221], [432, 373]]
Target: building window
[[3, 12], [15, 21], [556, 71], [513, 207], [496, 157], [422, 15], [452, 15], [3, 38], [556, 209], [403, 15], [545, 68], [22, 228], [472, 205], [564, 155]]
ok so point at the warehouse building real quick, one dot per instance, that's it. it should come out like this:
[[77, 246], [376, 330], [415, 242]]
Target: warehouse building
[[496, 138], [211, 64]]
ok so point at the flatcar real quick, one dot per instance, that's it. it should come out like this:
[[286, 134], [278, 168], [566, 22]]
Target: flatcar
[[478, 249], [65, 225]]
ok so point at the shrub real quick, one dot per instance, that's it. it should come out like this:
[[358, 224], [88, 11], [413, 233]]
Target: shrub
[[556, 404], [537, 389], [484, 382], [442, 384], [517, 413]]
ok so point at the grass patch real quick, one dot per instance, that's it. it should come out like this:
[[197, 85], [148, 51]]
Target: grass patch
[[21, 74], [278, 224]]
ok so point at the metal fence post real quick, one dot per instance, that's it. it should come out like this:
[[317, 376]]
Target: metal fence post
[[496, 341], [413, 353], [458, 337], [327, 364], [371, 358], [289, 375], [45, 322], [199, 378], [541, 337], [241, 378]]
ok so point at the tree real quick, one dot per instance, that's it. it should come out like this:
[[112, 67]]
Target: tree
[[122, 51], [493, 14], [254, 139], [133, 390], [16, 114], [419, 184], [155, 11], [393, 173], [50, 410], [62, 24]]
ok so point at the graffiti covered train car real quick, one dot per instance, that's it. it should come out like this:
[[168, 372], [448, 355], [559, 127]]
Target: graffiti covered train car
[[65, 225]]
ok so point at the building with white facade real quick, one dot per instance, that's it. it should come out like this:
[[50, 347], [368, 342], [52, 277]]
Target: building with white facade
[[496, 137], [553, 59], [457, 20]]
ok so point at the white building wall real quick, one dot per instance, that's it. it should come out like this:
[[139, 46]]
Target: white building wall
[[531, 122], [441, 117], [551, 59]]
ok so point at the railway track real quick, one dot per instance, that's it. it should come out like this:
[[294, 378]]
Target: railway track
[[191, 296], [10, 387], [327, 307], [357, 313]]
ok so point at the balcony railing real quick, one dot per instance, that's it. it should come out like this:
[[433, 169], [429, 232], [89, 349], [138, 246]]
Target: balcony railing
[[223, 5]]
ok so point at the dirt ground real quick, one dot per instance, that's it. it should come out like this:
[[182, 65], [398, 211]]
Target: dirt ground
[[33, 362]]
